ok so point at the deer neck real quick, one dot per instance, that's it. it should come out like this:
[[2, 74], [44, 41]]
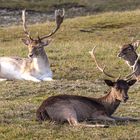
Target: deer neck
[[134, 64], [110, 102], [40, 61], [131, 60]]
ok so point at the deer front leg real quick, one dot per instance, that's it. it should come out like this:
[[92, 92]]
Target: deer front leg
[[47, 79], [30, 78], [105, 118], [125, 119], [2, 79], [102, 116], [74, 122]]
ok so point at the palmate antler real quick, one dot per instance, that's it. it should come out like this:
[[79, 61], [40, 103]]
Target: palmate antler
[[59, 16], [27, 33]]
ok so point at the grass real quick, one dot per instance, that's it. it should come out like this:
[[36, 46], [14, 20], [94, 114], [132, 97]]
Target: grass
[[75, 73], [93, 5]]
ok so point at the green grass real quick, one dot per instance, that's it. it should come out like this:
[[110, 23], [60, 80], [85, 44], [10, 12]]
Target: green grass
[[50, 5], [75, 73]]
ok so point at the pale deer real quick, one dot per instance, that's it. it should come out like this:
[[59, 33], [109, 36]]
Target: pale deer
[[74, 109], [129, 54], [35, 68]]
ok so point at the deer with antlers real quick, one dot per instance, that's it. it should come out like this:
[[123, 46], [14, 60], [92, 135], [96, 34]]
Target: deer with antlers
[[74, 109], [35, 68], [130, 56]]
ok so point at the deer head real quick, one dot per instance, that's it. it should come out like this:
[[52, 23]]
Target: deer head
[[128, 52], [120, 87], [36, 45]]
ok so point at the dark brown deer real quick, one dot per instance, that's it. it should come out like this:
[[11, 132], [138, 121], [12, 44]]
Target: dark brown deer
[[130, 56], [74, 109]]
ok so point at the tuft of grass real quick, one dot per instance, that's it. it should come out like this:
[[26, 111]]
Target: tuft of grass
[[75, 73]]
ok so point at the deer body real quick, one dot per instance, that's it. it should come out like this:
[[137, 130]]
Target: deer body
[[35, 69], [10, 68], [74, 109], [60, 108]]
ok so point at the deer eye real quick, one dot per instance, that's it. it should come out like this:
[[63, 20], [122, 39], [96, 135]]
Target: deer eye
[[34, 46], [118, 87], [129, 49]]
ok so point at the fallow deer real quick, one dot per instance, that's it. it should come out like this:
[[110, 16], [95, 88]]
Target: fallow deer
[[35, 68], [74, 109], [130, 56]]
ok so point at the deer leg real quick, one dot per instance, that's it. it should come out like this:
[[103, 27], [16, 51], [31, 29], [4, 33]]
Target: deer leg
[[74, 122], [100, 115], [47, 79], [1, 79], [31, 78], [94, 125], [125, 118], [105, 118]]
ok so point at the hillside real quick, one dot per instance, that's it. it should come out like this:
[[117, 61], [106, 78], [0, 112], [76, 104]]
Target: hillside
[[89, 5]]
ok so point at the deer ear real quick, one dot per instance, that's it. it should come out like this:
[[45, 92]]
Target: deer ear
[[136, 44], [26, 41], [131, 82], [109, 83]]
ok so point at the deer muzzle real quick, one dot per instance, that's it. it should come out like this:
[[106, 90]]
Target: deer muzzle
[[121, 55], [30, 55], [125, 98]]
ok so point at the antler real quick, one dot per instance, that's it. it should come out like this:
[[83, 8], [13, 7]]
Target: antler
[[128, 77], [27, 33], [59, 16], [102, 70]]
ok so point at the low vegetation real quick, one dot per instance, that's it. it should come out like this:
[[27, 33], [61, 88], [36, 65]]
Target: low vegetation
[[74, 72]]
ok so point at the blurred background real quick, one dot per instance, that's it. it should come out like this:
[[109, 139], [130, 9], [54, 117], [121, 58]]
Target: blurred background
[[42, 10]]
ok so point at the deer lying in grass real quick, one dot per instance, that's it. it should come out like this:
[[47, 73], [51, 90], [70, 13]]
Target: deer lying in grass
[[74, 109], [36, 68], [129, 54]]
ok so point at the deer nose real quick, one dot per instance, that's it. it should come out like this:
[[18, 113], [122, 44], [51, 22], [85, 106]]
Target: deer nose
[[119, 55], [30, 55], [126, 98]]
